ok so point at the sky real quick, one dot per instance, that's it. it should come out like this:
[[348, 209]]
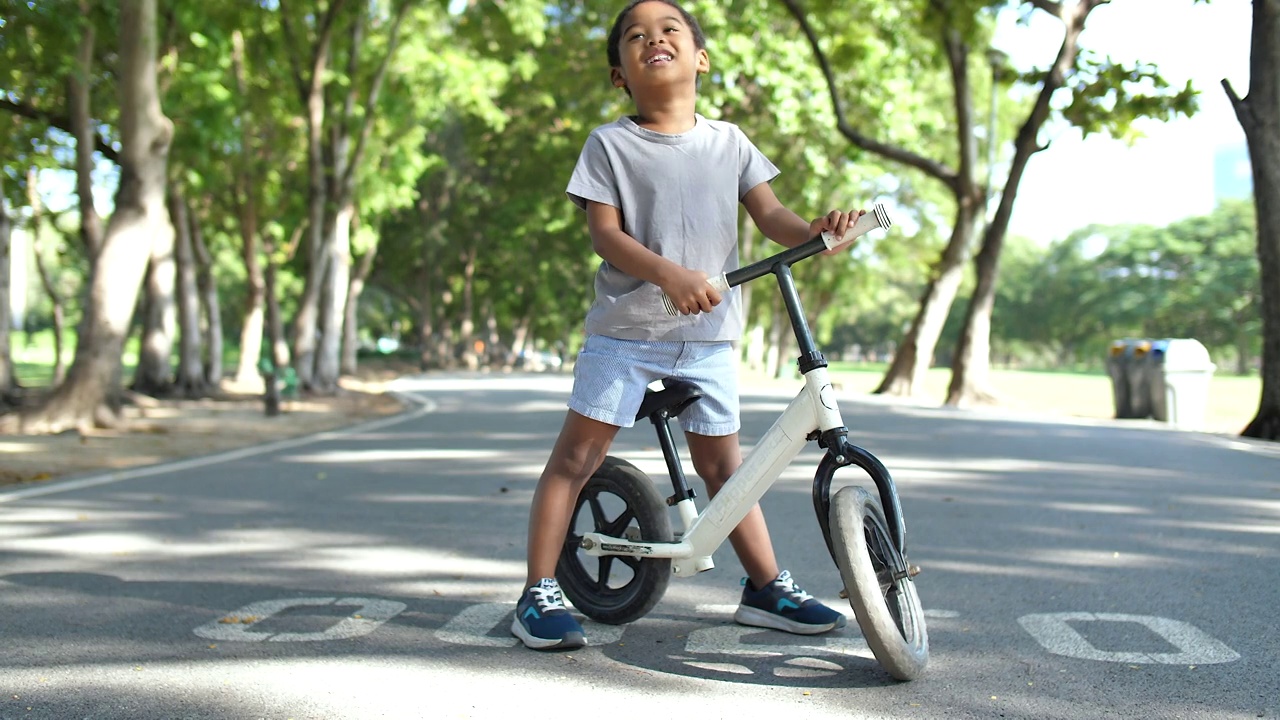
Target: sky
[[1169, 174]]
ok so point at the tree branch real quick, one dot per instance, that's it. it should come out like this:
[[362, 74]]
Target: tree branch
[[60, 122], [375, 89], [892, 152]]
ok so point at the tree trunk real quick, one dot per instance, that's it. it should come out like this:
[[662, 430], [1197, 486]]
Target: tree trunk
[[154, 374], [971, 367], [467, 328], [46, 282], [245, 188], [209, 302], [251, 329], [336, 286], [350, 324], [81, 124], [90, 394], [1259, 115], [306, 321], [190, 377], [7, 384], [906, 373]]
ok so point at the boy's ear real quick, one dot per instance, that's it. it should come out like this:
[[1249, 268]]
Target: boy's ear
[[616, 77], [704, 62]]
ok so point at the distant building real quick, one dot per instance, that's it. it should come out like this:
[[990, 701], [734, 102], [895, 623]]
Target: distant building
[[1232, 173]]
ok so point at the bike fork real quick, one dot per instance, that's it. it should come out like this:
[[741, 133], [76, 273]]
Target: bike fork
[[842, 453]]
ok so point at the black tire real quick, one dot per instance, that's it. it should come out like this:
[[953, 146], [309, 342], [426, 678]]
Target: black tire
[[620, 501], [888, 609]]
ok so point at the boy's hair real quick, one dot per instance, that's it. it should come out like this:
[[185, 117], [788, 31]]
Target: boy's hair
[[615, 34]]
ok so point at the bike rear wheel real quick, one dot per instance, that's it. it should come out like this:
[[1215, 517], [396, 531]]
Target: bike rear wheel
[[619, 501], [882, 595]]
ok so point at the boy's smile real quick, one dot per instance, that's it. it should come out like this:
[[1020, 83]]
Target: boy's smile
[[656, 38]]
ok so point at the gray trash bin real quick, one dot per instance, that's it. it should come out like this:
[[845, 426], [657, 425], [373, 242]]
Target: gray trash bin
[[1138, 373], [1181, 371], [1118, 368]]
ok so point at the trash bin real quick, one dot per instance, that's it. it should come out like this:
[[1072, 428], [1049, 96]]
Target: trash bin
[[1138, 372], [1181, 371], [1117, 367]]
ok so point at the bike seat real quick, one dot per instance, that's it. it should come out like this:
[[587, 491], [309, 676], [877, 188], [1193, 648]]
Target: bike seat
[[674, 397]]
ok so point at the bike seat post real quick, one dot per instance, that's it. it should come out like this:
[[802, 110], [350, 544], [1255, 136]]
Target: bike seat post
[[683, 496]]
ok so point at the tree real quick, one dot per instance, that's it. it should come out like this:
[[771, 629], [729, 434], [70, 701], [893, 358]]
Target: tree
[[90, 394], [1259, 115], [1105, 96], [7, 382]]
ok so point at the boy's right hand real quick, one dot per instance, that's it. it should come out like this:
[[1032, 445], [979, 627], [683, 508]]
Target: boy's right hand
[[690, 292]]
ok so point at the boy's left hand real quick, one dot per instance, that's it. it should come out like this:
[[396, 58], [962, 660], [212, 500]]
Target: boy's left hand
[[836, 222]]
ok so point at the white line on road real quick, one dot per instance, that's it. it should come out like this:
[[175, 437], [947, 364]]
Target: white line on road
[[425, 405]]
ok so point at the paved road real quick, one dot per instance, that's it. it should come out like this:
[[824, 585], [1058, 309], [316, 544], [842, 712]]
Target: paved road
[[1071, 570]]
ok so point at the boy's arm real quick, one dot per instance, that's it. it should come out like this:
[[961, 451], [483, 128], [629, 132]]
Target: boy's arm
[[688, 289], [781, 225]]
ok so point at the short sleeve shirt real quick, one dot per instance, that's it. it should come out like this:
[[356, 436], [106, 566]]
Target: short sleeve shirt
[[679, 197]]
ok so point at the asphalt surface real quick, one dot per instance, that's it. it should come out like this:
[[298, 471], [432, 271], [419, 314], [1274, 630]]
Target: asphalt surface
[[1071, 570]]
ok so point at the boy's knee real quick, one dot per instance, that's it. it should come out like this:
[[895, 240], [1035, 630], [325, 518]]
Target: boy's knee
[[577, 464]]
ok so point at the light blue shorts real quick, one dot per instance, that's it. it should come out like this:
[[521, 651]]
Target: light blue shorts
[[611, 375]]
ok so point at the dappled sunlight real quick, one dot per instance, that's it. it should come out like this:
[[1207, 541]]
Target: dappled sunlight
[[333, 457], [1252, 506], [244, 541], [1101, 559], [1097, 508], [395, 561], [1234, 526], [991, 465], [439, 499], [1004, 569], [11, 447]]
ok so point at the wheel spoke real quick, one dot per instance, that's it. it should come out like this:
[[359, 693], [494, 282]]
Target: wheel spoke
[[606, 569], [618, 527]]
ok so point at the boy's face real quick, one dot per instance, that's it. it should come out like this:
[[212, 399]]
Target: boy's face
[[657, 48]]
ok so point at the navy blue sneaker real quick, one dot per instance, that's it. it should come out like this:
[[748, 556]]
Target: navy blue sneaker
[[782, 605], [543, 623]]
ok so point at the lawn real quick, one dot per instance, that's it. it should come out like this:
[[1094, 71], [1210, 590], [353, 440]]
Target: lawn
[[1232, 403]]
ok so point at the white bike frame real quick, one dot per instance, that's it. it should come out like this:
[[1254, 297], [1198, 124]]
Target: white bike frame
[[814, 408]]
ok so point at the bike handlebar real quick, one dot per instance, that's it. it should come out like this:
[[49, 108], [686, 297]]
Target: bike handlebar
[[877, 218]]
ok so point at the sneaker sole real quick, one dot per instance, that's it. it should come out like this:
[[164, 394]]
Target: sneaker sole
[[754, 617], [570, 641]]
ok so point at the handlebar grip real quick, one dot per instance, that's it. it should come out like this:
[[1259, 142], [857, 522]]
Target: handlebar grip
[[719, 282], [877, 218]]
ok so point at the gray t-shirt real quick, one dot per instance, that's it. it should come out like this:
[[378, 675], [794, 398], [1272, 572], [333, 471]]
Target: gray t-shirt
[[679, 197]]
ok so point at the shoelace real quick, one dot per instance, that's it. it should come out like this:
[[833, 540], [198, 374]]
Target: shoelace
[[548, 598], [796, 592]]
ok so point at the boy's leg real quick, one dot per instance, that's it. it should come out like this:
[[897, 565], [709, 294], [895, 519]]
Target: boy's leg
[[714, 460], [770, 599], [542, 621], [578, 452]]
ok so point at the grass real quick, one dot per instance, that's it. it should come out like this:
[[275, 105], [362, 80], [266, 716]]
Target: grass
[[1232, 402]]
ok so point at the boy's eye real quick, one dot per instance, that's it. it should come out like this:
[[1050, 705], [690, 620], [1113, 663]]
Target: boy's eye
[[636, 36]]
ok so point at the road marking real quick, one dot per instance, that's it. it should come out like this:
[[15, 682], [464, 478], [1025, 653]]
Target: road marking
[[727, 640], [425, 405], [473, 625], [237, 626], [1196, 647]]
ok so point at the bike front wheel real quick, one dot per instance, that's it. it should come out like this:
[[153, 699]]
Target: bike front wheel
[[881, 592], [618, 501]]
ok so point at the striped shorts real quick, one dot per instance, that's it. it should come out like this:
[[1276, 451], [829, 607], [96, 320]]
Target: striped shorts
[[611, 375]]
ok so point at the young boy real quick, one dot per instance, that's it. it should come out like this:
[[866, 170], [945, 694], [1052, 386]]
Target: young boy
[[661, 190]]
